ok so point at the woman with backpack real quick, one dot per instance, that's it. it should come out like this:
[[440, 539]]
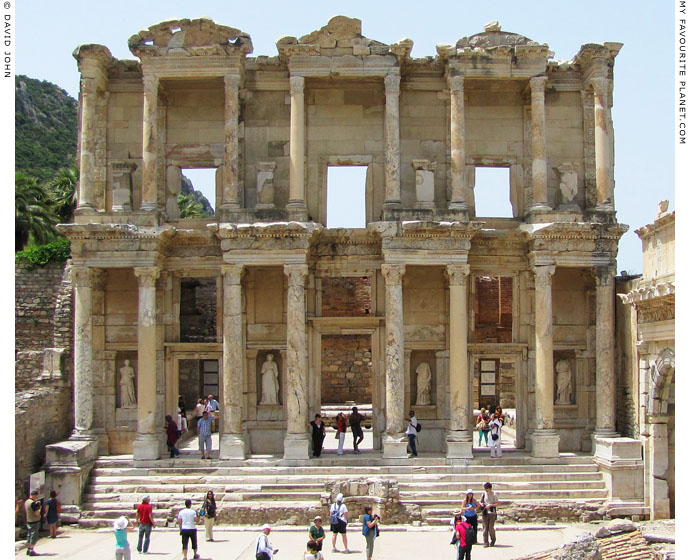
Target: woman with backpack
[[208, 511], [466, 537]]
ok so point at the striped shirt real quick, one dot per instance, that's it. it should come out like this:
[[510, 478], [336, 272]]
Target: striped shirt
[[204, 425]]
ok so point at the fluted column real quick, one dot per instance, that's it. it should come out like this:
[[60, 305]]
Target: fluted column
[[457, 142], [602, 155], [297, 143], [605, 327], [539, 174], [149, 186], [87, 194], [544, 438], [296, 439], [391, 134], [149, 419], [231, 184], [459, 438], [232, 444], [83, 359], [394, 441]]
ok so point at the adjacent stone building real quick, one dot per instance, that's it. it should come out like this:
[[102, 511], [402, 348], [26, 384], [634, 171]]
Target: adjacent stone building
[[516, 310]]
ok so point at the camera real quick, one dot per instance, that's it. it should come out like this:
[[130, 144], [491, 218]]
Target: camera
[[376, 516]]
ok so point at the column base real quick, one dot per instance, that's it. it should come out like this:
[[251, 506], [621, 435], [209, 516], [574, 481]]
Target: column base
[[149, 207], [82, 435], [68, 465], [296, 446], [232, 446], [458, 449], [540, 207], [545, 443], [85, 209], [297, 210], [146, 447], [395, 446], [462, 206]]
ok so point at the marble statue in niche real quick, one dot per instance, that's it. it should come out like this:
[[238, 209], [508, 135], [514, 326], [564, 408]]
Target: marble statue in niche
[[127, 396], [423, 384], [564, 382], [269, 381]]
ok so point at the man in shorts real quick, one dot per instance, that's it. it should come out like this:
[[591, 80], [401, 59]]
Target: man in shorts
[[187, 519], [356, 428], [32, 508], [339, 522]]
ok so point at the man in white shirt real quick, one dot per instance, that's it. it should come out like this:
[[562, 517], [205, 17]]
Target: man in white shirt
[[339, 522], [412, 433], [187, 519], [264, 551]]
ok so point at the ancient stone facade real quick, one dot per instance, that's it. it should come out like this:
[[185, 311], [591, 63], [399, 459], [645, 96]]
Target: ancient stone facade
[[271, 126]]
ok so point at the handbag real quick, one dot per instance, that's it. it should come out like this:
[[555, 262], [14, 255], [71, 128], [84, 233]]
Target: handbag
[[202, 512], [494, 437], [454, 540], [377, 530]]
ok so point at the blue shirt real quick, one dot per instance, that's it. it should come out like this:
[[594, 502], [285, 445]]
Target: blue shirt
[[121, 538], [204, 425], [365, 528]]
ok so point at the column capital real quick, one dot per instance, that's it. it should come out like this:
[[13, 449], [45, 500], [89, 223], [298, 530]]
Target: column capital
[[457, 274], [147, 275], [82, 276], [393, 273], [232, 273], [392, 83], [151, 82], [296, 273], [296, 85], [600, 86], [604, 275], [537, 84], [456, 83], [543, 274], [232, 81]]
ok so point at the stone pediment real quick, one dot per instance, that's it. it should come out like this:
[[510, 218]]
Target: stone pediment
[[494, 41], [187, 37], [341, 36]]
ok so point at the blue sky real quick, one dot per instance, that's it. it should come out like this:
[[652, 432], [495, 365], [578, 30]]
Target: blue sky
[[47, 32]]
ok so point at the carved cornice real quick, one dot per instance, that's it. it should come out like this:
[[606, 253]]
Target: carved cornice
[[663, 222], [265, 230], [649, 294], [81, 232]]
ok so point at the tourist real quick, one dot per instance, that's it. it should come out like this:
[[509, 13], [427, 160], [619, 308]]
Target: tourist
[[500, 415], [212, 406], [203, 430], [187, 519], [370, 529], [318, 434], [312, 553], [412, 433], [199, 411], [339, 522], [464, 547], [32, 508], [173, 436], [356, 428], [483, 426], [121, 526], [495, 426], [264, 550], [146, 523], [341, 427], [181, 405], [317, 533], [52, 512], [489, 501], [469, 509], [208, 512]]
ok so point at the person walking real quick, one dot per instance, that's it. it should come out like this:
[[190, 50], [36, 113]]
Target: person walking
[[264, 550], [469, 509], [187, 519], [411, 433], [488, 502], [370, 529], [173, 435], [203, 430], [121, 526], [339, 522], [495, 426], [208, 511], [318, 434], [483, 427], [341, 427], [356, 429], [52, 511], [464, 543], [32, 508], [317, 533], [146, 523], [199, 411]]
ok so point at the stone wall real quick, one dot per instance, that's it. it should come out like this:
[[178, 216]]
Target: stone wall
[[493, 309], [346, 369], [198, 304], [346, 297]]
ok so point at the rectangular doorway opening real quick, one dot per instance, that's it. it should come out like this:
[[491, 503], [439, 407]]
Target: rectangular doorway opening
[[346, 196], [197, 198], [492, 192], [197, 380]]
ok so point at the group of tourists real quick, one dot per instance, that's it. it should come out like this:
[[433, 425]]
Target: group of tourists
[[204, 419], [318, 431], [35, 511], [489, 425], [465, 521]]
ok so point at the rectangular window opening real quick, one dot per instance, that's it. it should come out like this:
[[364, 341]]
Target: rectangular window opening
[[197, 198], [493, 309], [492, 192], [346, 196]]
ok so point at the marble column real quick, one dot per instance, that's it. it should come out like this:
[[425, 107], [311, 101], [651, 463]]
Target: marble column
[[395, 440], [539, 172], [83, 357], [149, 185], [391, 134], [605, 327], [232, 444], [87, 195], [457, 143], [297, 145], [602, 155], [231, 184], [296, 439], [149, 419], [459, 438], [544, 438]]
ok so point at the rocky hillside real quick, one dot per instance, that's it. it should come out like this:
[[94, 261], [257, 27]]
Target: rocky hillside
[[45, 127]]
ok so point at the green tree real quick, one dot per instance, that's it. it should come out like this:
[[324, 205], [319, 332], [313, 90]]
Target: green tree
[[33, 214], [63, 192], [190, 207]]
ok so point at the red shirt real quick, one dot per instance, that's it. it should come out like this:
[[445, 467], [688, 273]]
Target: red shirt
[[460, 528], [145, 514]]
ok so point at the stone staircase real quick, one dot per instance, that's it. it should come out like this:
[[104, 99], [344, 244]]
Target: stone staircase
[[423, 490]]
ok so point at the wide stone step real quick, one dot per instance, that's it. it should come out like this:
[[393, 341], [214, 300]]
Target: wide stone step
[[512, 497], [500, 487]]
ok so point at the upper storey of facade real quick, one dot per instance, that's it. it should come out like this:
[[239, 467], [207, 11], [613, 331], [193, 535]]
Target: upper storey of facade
[[272, 126]]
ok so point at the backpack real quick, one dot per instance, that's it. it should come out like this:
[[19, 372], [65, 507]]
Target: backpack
[[35, 505], [418, 427], [470, 535], [335, 510]]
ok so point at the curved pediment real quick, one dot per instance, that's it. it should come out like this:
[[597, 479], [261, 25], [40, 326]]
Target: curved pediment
[[493, 36], [192, 37]]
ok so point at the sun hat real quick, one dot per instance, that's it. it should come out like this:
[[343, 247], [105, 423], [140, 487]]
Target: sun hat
[[469, 491], [318, 517], [339, 498], [457, 512], [265, 526], [120, 523]]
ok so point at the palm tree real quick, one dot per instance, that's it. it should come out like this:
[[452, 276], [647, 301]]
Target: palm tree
[[190, 207], [63, 192], [33, 214]]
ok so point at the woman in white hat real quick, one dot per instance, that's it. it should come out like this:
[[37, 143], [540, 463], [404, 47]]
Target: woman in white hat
[[469, 509], [317, 533], [339, 522], [121, 526]]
